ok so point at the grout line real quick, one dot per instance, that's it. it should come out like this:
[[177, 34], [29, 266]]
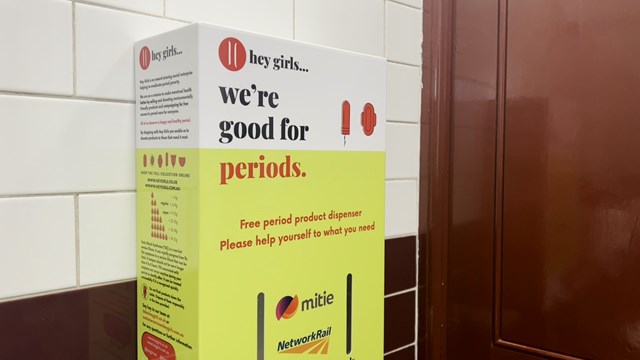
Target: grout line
[[403, 179], [74, 48], [390, 238], [397, 62], [404, 122], [76, 209], [409, 122], [407, 5], [415, 288], [67, 194], [415, 178], [63, 290], [178, 20], [400, 349], [65, 97], [384, 30], [110, 7]]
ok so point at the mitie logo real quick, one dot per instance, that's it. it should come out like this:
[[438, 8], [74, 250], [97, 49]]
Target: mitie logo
[[232, 54], [288, 306]]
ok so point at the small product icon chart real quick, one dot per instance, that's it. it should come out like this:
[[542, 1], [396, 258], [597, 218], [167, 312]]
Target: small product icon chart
[[157, 226], [163, 160]]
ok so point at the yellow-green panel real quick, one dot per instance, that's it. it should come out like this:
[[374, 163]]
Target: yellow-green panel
[[295, 240]]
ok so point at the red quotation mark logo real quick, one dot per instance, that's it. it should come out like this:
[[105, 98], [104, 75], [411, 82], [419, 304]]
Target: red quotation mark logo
[[232, 54], [145, 58]]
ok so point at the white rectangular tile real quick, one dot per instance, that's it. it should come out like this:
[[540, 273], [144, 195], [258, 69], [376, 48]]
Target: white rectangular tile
[[107, 237], [155, 7], [37, 38], [37, 238], [55, 145], [414, 3], [355, 25], [273, 17], [404, 34], [401, 211], [404, 87], [104, 49], [403, 151]]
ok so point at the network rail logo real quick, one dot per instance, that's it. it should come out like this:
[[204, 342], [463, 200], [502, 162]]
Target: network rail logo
[[317, 342]]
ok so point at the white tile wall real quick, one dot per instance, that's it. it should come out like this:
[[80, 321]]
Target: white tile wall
[[404, 34], [356, 25], [401, 217], [155, 7], [403, 151], [403, 92], [55, 145], [104, 49], [37, 46], [61, 144], [107, 237], [273, 17], [37, 238]]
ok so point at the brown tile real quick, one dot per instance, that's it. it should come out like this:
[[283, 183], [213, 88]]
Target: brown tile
[[95, 323], [422, 349], [399, 320], [400, 264], [422, 292], [404, 354]]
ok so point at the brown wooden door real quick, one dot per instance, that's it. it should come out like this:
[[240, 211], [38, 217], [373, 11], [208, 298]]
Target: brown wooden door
[[543, 245]]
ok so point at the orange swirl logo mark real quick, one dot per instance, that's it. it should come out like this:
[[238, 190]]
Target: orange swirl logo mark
[[287, 307]]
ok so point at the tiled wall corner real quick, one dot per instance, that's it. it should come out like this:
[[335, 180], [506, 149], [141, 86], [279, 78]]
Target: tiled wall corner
[[38, 245], [273, 17], [403, 49], [38, 56], [355, 25], [107, 237]]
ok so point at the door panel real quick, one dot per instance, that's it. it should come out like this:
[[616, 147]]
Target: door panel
[[544, 245], [470, 266]]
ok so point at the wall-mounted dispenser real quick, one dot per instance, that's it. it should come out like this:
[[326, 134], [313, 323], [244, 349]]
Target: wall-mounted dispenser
[[260, 227]]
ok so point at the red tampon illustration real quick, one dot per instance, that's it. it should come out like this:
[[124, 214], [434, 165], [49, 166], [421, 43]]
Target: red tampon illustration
[[346, 120]]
